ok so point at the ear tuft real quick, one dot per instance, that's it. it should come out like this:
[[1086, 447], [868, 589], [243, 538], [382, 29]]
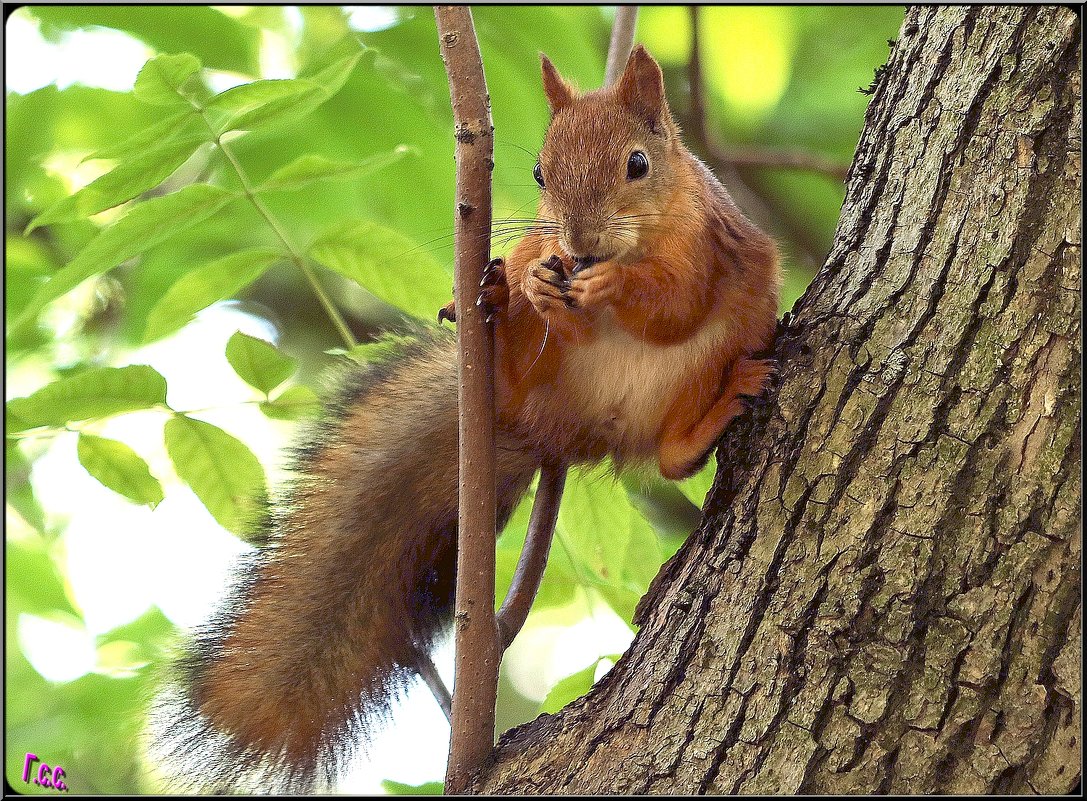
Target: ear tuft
[[641, 87], [559, 92]]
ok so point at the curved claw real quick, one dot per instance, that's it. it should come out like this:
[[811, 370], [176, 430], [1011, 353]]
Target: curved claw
[[493, 272], [489, 311], [554, 264], [584, 263]]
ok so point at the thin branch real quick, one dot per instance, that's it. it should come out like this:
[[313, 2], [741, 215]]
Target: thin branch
[[622, 42], [530, 567], [697, 125], [428, 672], [293, 253], [476, 675], [787, 160], [477, 649], [772, 158], [763, 206]]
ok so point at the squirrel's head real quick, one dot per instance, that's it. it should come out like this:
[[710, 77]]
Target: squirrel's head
[[607, 165]]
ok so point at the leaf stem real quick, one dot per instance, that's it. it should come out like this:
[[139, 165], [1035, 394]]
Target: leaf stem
[[53, 431], [292, 252]]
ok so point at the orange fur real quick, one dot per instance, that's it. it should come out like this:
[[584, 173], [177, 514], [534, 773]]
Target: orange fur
[[633, 358]]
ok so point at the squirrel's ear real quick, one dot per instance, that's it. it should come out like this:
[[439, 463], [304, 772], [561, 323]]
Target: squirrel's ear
[[558, 91], [641, 87]]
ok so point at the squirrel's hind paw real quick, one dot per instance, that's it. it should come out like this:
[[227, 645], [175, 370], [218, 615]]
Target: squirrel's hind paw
[[752, 377]]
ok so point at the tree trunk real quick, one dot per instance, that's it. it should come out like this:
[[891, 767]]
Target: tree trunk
[[884, 593]]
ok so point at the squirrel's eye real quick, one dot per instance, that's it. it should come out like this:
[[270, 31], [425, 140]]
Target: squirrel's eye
[[637, 165], [537, 173]]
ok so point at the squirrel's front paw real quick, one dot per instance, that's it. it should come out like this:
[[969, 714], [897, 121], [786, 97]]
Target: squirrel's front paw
[[595, 285], [493, 293], [546, 286]]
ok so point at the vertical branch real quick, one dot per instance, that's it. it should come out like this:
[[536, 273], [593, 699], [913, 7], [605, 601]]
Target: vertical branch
[[622, 42], [694, 79], [477, 648]]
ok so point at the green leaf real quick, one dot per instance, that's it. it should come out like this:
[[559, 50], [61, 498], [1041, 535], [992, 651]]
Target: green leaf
[[96, 392], [34, 582], [307, 169], [205, 285], [291, 404], [27, 262], [387, 264], [161, 132], [262, 103], [253, 105], [161, 81], [146, 225], [569, 689], [119, 468], [130, 178], [613, 550], [335, 75], [399, 788], [120, 659], [220, 469], [596, 517], [257, 362], [641, 563], [18, 491]]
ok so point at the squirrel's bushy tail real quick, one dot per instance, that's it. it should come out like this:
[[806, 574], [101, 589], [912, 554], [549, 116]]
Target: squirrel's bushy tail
[[327, 620]]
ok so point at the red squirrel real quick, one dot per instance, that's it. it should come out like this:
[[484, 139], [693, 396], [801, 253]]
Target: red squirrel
[[624, 323]]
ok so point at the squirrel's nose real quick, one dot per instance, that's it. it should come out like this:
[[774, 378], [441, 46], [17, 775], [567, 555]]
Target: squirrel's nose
[[579, 239]]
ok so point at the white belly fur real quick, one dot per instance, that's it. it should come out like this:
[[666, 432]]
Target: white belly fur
[[624, 383]]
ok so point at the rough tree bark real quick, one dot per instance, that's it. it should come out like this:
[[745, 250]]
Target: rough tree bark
[[884, 593]]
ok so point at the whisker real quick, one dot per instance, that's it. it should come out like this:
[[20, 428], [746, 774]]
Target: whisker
[[547, 330], [507, 143], [520, 229], [651, 215]]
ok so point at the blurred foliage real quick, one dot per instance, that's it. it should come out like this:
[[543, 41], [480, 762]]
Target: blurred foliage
[[345, 173]]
